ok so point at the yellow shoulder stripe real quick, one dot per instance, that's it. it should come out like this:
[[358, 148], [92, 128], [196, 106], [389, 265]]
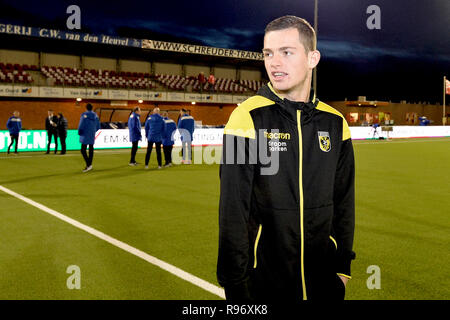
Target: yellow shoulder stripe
[[345, 129], [240, 122]]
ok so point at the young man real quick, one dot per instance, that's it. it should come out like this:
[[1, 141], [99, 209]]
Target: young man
[[286, 234], [186, 126], [62, 132], [134, 127], [89, 125], [168, 141], [154, 129], [14, 125], [51, 125]]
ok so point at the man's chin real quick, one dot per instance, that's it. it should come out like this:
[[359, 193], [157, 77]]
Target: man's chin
[[280, 88]]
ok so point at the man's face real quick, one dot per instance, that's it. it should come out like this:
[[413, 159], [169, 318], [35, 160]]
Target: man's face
[[286, 61], [50, 113], [16, 114]]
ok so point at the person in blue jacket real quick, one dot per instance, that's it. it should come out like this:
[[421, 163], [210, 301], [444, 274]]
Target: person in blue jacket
[[168, 140], [89, 125], [134, 127], [186, 128], [14, 125], [154, 129]]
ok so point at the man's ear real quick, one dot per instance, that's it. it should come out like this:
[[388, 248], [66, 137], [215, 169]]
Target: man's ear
[[313, 58]]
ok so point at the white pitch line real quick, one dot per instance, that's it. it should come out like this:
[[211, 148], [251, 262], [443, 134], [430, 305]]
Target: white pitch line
[[364, 142], [138, 253]]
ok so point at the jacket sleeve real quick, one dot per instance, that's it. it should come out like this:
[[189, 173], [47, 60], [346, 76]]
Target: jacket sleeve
[[8, 124], [236, 181], [147, 127], [136, 127], [81, 126], [344, 207]]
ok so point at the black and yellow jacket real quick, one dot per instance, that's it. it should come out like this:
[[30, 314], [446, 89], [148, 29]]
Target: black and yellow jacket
[[287, 234]]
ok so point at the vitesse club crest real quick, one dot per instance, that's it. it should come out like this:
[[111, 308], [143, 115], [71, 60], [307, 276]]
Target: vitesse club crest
[[324, 141]]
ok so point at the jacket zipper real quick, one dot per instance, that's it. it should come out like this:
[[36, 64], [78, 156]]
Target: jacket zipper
[[255, 248], [300, 175]]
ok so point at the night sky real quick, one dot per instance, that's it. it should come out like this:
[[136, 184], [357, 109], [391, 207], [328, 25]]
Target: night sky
[[404, 60]]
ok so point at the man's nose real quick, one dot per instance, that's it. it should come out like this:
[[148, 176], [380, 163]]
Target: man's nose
[[275, 61]]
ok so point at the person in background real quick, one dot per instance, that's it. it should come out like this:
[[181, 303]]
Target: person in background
[[423, 121], [211, 82], [51, 125], [201, 80], [186, 128], [14, 125], [154, 129], [62, 132], [88, 126], [134, 127], [168, 141]]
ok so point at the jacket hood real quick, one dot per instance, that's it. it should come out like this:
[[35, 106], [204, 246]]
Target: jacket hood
[[291, 107], [91, 115]]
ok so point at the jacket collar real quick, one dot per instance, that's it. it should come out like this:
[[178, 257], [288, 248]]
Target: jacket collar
[[290, 107]]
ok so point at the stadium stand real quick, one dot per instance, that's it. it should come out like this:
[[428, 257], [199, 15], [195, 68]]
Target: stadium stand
[[65, 76], [176, 82], [251, 84], [97, 78], [16, 73]]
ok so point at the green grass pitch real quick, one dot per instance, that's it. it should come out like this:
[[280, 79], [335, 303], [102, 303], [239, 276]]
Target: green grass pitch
[[402, 224]]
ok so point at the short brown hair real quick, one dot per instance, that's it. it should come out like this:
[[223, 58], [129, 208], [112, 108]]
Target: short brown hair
[[306, 33]]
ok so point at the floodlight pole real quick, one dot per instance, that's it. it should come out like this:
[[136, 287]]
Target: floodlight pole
[[316, 9], [444, 118]]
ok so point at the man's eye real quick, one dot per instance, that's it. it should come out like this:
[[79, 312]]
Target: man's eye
[[287, 53], [267, 54]]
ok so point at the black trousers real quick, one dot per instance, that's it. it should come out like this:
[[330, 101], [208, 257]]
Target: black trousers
[[149, 152], [90, 158], [62, 139], [134, 149], [51, 134], [14, 138], [168, 154]]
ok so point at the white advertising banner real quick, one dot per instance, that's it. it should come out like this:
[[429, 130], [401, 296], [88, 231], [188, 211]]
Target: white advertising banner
[[157, 96], [96, 94], [19, 91], [115, 94], [74, 93], [119, 138], [175, 96], [361, 133], [118, 94], [6, 90], [224, 98], [239, 99], [51, 92]]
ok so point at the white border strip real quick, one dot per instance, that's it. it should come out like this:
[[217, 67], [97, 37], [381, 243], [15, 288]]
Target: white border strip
[[155, 261]]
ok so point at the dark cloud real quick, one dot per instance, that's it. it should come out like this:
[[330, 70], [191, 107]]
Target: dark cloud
[[414, 39]]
